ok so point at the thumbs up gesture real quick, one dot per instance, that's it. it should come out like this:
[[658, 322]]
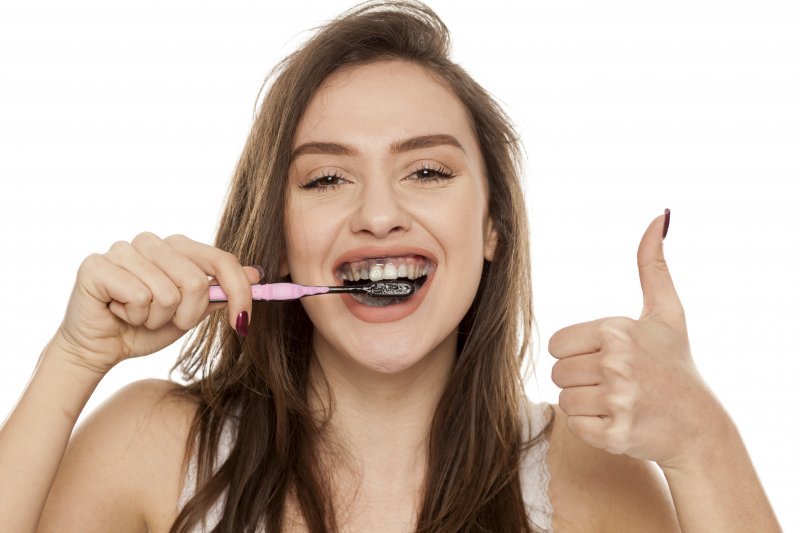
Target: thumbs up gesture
[[630, 386]]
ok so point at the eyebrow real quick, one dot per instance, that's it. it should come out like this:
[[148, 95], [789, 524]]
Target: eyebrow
[[407, 145]]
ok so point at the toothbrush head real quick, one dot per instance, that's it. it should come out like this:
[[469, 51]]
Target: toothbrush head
[[389, 288]]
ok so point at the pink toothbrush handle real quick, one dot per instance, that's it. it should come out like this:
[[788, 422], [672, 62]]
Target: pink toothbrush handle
[[270, 291]]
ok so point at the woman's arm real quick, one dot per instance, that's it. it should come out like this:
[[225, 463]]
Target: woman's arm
[[593, 491], [122, 470], [35, 435], [717, 488], [134, 300], [631, 387]]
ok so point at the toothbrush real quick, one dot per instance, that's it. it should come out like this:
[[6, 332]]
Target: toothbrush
[[292, 291]]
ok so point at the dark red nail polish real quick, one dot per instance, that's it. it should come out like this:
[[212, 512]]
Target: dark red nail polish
[[241, 324], [666, 223]]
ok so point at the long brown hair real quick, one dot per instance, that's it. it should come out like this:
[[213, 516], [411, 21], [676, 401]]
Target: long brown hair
[[475, 446]]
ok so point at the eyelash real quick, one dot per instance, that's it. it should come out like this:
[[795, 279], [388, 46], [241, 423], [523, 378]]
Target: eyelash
[[440, 173], [324, 182], [319, 184]]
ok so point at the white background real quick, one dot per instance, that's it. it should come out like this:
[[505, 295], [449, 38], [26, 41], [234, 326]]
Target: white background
[[120, 117]]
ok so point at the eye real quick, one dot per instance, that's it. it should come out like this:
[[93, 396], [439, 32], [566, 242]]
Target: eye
[[428, 173], [325, 182]]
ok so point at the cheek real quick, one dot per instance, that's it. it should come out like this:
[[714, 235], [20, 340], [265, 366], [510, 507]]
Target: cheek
[[462, 225], [305, 238], [460, 231]]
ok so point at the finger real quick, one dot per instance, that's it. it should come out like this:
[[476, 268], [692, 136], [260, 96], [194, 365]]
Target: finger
[[125, 294], [583, 401], [573, 340], [578, 370], [590, 429], [227, 270], [658, 290], [119, 310], [254, 274], [191, 282], [165, 296]]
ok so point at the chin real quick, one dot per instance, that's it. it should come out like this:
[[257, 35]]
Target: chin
[[385, 353], [388, 364]]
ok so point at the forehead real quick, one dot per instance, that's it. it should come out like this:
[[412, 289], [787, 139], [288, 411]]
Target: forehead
[[378, 103]]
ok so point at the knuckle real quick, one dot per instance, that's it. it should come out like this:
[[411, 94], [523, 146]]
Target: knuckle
[[196, 284], [617, 364], [176, 238], [620, 402], [136, 319], [168, 298], [193, 317], [90, 263], [555, 373], [144, 237], [564, 400], [227, 260], [551, 345], [141, 297], [616, 329], [119, 247], [183, 324], [661, 265]]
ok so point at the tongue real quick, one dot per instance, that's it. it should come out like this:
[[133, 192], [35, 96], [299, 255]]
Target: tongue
[[377, 301]]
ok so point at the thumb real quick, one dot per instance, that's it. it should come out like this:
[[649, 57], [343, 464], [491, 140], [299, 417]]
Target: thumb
[[660, 297], [254, 273]]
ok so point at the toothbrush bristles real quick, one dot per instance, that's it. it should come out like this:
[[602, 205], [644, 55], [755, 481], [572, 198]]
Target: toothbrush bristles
[[390, 288]]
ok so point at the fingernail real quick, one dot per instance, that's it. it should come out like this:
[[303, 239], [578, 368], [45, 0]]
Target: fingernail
[[666, 223], [241, 324], [261, 272]]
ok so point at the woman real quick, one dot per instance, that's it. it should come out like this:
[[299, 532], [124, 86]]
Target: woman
[[371, 151]]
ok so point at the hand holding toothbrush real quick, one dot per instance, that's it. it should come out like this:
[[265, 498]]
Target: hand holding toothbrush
[[141, 296]]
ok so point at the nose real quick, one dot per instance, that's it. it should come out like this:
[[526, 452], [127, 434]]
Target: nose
[[380, 211]]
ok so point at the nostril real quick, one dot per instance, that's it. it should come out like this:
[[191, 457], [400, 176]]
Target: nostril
[[380, 216], [381, 231]]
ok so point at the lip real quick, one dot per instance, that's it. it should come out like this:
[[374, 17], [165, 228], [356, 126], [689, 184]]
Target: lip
[[392, 312]]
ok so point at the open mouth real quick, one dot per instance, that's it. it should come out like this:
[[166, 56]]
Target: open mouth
[[412, 268]]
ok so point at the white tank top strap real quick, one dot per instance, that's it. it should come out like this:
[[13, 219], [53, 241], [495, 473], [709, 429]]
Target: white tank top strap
[[534, 474]]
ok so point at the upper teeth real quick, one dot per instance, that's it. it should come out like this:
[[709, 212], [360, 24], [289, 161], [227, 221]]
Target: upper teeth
[[411, 267]]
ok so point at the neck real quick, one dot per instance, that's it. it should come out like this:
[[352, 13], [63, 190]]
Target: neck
[[382, 420]]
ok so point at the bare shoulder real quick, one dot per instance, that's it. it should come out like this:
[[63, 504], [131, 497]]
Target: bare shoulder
[[595, 491], [123, 467]]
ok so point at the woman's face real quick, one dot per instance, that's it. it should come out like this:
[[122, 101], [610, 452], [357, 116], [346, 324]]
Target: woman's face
[[387, 181]]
